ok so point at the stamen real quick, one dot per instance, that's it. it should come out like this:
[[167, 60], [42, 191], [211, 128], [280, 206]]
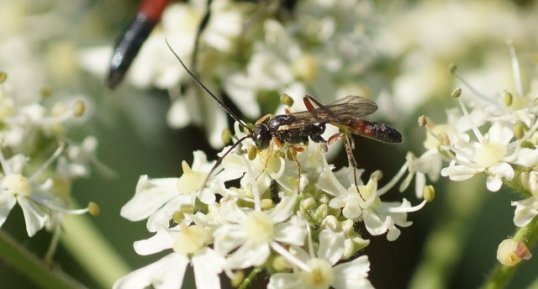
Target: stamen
[[289, 257], [43, 167], [79, 108], [254, 185], [475, 91], [529, 134], [408, 209], [476, 132], [55, 208], [516, 70], [393, 181]]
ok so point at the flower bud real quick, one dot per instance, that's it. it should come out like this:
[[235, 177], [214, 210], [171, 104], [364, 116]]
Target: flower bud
[[510, 252]]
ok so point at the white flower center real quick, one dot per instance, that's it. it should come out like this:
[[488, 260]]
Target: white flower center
[[259, 227], [191, 239], [489, 154], [16, 184], [321, 275]]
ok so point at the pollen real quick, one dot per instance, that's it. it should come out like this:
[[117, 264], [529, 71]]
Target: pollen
[[259, 227], [79, 108]]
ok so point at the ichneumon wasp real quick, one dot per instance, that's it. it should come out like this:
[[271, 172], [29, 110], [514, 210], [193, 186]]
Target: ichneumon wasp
[[298, 127]]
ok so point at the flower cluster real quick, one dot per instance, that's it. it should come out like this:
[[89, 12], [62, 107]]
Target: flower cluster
[[496, 136], [284, 209], [38, 161]]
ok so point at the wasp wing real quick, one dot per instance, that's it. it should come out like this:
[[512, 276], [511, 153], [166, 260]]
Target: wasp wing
[[349, 107]]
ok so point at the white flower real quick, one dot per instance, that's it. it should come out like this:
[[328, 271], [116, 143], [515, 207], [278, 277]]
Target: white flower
[[488, 155], [158, 199], [319, 270], [189, 245], [364, 202], [253, 232], [37, 200]]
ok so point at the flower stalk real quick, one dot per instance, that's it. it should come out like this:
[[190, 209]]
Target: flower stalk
[[34, 269]]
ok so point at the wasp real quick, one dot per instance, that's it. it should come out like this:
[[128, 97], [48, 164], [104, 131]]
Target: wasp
[[300, 127]]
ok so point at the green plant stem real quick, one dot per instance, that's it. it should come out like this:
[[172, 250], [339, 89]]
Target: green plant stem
[[53, 245], [32, 267], [250, 277], [88, 246], [444, 244], [501, 274]]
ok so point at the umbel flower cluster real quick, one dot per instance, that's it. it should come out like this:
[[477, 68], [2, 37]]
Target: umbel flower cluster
[[38, 161], [494, 135], [286, 212]]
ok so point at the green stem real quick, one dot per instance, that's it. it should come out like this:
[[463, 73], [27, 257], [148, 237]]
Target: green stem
[[451, 232], [250, 277], [32, 267], [53, 245], [88, 246], [501, 274]]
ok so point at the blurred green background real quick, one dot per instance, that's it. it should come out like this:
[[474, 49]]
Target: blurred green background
[[134, 139]]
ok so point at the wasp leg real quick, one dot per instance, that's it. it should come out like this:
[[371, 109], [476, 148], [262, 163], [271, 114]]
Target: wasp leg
[[334, 138], [348, 144], [309, 98], [292, 155], [264, 118]]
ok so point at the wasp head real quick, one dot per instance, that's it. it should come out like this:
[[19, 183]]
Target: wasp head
[[261, 135]]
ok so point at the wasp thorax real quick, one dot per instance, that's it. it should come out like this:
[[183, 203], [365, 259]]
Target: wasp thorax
[[261, 136]]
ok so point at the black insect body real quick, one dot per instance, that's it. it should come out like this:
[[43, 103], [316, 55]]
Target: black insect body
[[286, 128]]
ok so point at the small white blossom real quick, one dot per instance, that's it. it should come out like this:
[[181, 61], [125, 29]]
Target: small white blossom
[[252, 232], [320, 271], [188, 245]]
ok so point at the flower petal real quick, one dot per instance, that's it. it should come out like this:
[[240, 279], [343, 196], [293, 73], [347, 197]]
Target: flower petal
[[331, 245], [160, 241], [207, 266], [34, 217], [285, 281], [150, 195], [7, 201], [292, 232], [249, 254], [166, 273], [353, 274]]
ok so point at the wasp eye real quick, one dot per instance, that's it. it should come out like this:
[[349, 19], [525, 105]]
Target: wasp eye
[[261, 136]]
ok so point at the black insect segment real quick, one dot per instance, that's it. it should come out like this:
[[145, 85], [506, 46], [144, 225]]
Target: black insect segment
[[300, 127]]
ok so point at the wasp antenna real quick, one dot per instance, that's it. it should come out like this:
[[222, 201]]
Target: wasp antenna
[[221, 104], [219, 161]]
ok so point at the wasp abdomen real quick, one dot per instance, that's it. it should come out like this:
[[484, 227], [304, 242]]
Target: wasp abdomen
[[374, 130]]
